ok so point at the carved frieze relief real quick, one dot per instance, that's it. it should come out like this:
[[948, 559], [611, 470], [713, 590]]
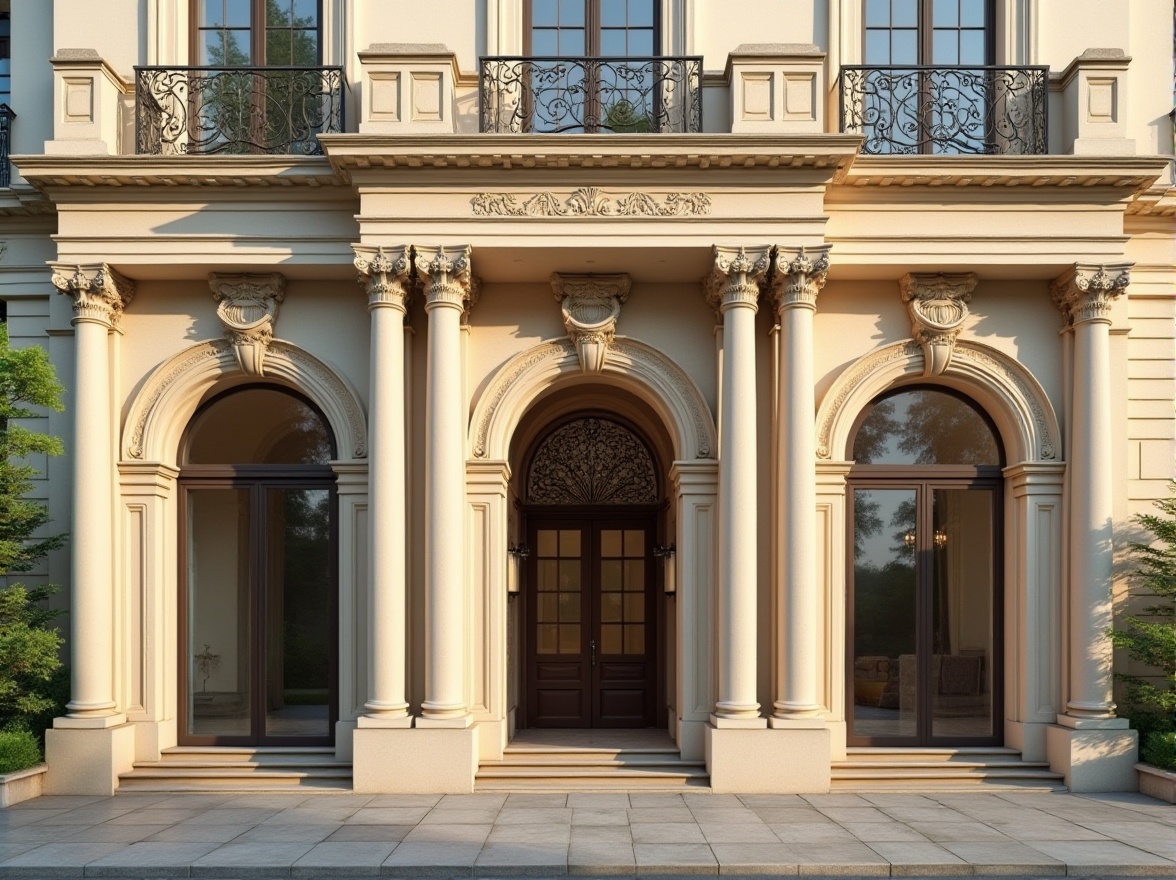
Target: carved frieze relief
[[247, 306], [591, 201], [591, 305], [938, 306]]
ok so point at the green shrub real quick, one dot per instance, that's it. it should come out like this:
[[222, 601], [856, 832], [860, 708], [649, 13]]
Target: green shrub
[[19, 750], [1159, 750]]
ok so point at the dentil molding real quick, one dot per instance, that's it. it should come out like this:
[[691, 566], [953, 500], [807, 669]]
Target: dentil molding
[[736, 275], [590, 201], [99, 293], [1086, 292], [938, 306], [386, 275], [247, 306], [591, 305]]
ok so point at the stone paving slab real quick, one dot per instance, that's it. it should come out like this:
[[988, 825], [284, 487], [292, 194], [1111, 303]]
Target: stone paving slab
[[347, 836]]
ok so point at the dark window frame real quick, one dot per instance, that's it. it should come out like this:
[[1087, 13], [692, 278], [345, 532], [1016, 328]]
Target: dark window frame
[[257, 34], [924, 28], [592, 29]]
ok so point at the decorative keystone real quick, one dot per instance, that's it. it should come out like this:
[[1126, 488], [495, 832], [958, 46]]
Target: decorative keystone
[[736, 276], [385, 274], [247, 306], [591, 305], [1086, 292], [938, 306], [99, 293]]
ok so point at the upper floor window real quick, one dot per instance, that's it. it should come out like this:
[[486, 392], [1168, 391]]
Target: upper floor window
[[928, 32], [5, 56], [257, 33], [593, 28]]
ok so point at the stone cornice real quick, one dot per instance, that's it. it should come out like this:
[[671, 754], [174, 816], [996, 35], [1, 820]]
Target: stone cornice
[[204, 172]]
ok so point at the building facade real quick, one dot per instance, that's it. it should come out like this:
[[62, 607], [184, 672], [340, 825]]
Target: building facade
[[780, 375]]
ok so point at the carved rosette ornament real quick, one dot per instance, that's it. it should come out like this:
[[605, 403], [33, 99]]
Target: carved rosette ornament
[[737, 276], [591, 305], [247, 306], [444, 273], [99, 293], [385, 274], [1086, 292], [799, 276], [938, 306]]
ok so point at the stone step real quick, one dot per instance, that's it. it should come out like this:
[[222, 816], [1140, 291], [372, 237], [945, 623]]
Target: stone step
[[259, 754], [239, 769], [941, 769]]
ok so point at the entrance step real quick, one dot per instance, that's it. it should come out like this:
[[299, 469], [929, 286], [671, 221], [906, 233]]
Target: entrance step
[[586, 768], [197, 768], [942, 769]]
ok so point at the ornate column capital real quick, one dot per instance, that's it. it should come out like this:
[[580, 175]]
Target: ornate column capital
[[938, 305], [247, 306], [1085, 293], [591, 305], [799, 276], [736, 276], [385, 274], [99, 293], [445, 275]]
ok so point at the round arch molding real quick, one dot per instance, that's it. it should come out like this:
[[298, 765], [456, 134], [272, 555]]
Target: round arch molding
[[164, 405], [630, 364], [1005, 389]]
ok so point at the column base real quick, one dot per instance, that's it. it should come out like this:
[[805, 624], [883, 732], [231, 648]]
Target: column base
[[87, 760], [795, 760], [414, 761], [1094, 758]]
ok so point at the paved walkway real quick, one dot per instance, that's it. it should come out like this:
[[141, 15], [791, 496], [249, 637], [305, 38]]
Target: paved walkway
[[487, 835]]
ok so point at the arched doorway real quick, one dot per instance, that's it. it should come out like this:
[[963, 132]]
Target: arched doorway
[[591, 505], [258, 596], [924, 572]]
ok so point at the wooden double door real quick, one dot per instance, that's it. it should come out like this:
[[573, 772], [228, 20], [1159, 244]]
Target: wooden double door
[[591, 626]]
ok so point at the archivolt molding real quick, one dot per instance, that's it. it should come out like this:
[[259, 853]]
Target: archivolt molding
[[164, 405], [1010, 394], [631, 364]]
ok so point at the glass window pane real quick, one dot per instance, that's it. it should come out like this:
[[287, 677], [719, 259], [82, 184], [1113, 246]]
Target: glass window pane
[[549, 608], [634, 542], [571, 43], [972, 48], [613, 13], [544, 12], [612, 639], [641, 44], [635, 608], [277, 47], [571, 12], [924, 426], [220, 632], [569, 607], [569, 574], [610, 607], [972, 13], [277, 13], [877, 47], [877, 13], [547, 638], [613, 43], [641, 13], [210, 13], [569, 543], [212, 50], [305, 48], [548, 574], [259, 426], [634, 574], [610, 542], [885, 671], [945, 13], [945, 47], [546, 542], [306, 13], [238, 49], [237, 13], [904, 47], [544, 42], [569, 638], [905, 13], [610, 574], [634, 639]]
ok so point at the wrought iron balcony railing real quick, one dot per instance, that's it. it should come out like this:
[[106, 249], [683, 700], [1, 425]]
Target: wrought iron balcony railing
[[946, 109], [236, 110], [587, 95], [6, 117]]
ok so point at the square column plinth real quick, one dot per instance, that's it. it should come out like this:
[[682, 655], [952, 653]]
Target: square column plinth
[[434, 760], [1099, 757], [88, 760], [791, 760]]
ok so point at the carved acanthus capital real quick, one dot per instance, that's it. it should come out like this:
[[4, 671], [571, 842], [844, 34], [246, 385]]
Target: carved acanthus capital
[[938, 306], [444, 273], [736, 276], [99, 293], [799, 277], [247, 306], [591, 305], [386, 275], [1086, 292]]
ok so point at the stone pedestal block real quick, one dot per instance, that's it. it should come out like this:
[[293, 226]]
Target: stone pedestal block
[[415, 760], [1094, 758], [88, 760], [791, 760]]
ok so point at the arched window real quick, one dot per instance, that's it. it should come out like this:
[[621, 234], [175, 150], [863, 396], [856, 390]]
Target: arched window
[[258, 598], [924, 636]]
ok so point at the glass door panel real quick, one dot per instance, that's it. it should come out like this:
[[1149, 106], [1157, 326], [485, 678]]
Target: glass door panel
[[298, 600], [962, 613], [559, 695], [885, 614], [220, 614]]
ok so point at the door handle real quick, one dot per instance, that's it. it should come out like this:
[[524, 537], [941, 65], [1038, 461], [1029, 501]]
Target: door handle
[[592, 646]]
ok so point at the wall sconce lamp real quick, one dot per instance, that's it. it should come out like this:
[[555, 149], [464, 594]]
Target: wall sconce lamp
[[669, 571], [940, 538], [518, 552]]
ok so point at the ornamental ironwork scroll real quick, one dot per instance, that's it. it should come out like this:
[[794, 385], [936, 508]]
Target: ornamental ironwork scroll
[[236, 110], [587, 95], [946, 109], [592, 461]]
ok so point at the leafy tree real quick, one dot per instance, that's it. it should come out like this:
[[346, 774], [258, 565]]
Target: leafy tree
[[29, 677], [1150, 637]]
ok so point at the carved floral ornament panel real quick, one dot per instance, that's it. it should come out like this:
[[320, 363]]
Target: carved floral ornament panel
[[592, 461], [591, 201]]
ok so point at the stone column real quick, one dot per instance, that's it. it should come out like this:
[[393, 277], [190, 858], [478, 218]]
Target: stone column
[[448, 285], [733, 288], [99, 294], [386, 276], [798, 278]]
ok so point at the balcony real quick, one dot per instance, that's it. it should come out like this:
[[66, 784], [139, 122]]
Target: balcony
[[6, 117], [946, 110], [526, 95], [236, 110]]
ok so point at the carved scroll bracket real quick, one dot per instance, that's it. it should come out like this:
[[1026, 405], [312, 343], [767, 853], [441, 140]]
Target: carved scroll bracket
[[938, 306], [591, 305], [247, 306]]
